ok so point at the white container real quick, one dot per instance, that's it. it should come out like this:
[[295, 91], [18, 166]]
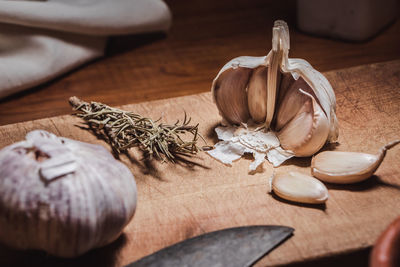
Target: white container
[[353, 20]]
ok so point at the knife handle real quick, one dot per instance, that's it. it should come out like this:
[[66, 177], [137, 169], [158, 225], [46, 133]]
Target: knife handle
[[386, 251]]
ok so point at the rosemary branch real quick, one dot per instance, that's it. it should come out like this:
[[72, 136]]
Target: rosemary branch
[[125, 129]]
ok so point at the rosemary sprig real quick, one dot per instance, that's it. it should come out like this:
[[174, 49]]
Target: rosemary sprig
[[125, 129]]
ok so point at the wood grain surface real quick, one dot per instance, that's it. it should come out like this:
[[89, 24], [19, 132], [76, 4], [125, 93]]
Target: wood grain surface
[[201, 195], [205, 34]]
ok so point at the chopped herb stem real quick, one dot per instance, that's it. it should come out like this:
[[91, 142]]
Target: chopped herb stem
[[125, 129]]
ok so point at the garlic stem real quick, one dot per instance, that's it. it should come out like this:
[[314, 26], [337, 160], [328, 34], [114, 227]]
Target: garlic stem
[[272, 84], [390, 145]]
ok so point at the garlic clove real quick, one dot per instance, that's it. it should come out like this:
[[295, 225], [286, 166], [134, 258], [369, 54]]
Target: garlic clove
[[321, 90], [231, 95], [344, 167], [347, 167], [257, 94], [291, 102], [299, 187], [307, 132]]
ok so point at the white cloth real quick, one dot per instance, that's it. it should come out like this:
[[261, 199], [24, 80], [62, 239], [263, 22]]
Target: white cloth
[[42, 39]]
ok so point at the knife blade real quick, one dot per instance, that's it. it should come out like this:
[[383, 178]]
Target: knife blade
[[239, 246]]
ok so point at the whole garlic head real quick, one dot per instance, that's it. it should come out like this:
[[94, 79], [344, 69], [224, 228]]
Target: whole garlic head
[[286, 96], [62, 196]]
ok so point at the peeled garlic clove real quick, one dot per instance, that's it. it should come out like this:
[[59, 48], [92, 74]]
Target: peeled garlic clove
[[347, 167], [279, 94], [299, 187], [62, 196]]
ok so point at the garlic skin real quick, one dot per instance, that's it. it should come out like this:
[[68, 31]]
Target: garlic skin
[[347, 167], [238, 141], [299, 187], [286, 96], [62, 196]]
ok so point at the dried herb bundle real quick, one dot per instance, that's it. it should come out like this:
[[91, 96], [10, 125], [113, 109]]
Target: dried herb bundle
[[125, 129]]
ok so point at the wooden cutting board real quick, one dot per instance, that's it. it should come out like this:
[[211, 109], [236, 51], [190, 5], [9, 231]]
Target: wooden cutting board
[[179, 201]]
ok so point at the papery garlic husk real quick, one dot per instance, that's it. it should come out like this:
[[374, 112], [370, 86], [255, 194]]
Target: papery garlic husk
[[342, 167], [298, 187], [286, 96], [62, 196]]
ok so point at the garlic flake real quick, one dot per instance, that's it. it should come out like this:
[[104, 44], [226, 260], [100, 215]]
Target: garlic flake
[[284, 96], [62, 196]]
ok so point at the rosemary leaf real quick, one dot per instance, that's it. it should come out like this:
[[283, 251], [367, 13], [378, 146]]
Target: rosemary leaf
[[125, 129]]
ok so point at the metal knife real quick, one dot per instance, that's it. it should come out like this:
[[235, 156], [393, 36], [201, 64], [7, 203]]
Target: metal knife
[[239, 246]]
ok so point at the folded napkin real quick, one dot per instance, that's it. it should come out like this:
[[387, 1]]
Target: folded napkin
[[40, 40]]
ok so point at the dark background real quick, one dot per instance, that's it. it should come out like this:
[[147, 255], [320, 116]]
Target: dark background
[[205, 35]]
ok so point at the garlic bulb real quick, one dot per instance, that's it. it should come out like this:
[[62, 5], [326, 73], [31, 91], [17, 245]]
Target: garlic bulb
[[278, 94], [299, 187], [347, 167], [62, 196]]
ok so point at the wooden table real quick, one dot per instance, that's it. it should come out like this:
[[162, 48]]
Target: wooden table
[[204, 36]]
